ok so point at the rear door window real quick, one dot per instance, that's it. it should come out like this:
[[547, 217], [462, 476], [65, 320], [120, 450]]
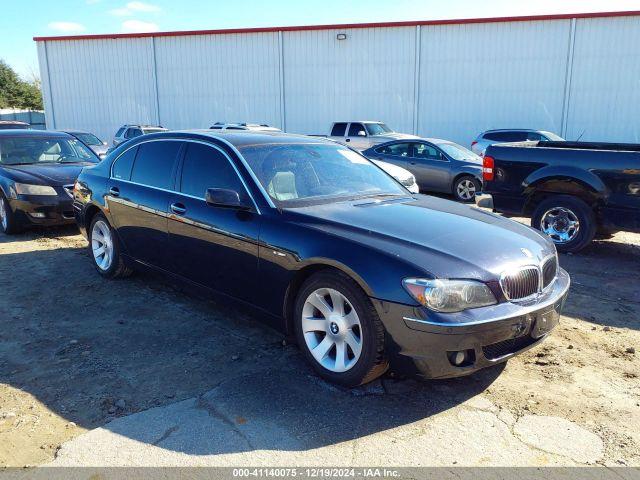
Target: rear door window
[[207, 167], [122, 167], [397, 149], [506, 136], [133, 132], [154, 164], [338, 129]]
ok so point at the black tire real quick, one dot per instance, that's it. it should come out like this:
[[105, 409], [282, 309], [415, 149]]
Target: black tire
[[466, 178], [582, 211], [9, 226], [372, 362], [117, 267]]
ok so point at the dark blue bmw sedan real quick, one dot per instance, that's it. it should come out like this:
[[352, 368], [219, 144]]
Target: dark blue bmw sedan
[[332, 249]]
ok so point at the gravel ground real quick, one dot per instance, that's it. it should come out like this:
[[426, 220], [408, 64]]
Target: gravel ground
[[82, 354]]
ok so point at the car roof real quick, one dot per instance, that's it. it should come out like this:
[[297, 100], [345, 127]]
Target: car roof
[[512, 130], [242, 138], [13, 122], [33, 133], [361, 121]]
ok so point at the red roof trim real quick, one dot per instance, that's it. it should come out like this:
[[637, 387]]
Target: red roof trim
[[631, 13]]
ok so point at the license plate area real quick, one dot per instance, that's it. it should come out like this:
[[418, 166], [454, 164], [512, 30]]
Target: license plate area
[[545, 321]]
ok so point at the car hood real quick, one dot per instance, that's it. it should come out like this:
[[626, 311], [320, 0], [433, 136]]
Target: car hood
[[438, 237], [393, 170], [56, 174]]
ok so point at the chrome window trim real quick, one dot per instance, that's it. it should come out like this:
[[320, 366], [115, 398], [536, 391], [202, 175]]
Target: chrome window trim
[[187, 140]]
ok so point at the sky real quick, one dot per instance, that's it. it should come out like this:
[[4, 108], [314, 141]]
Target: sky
[[22, 20]]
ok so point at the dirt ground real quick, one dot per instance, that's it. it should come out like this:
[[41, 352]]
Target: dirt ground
[[77, 351]]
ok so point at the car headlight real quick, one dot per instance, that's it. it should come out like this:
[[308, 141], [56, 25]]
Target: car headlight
[[449, 295], [26, 189]]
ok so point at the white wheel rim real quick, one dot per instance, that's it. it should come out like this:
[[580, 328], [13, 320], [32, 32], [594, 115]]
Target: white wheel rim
[[102, 245], [332, 330], [561, 224], [466, 189], [3, 214]]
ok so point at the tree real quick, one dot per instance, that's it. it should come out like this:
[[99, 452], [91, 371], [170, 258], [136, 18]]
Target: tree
[[16, 93]]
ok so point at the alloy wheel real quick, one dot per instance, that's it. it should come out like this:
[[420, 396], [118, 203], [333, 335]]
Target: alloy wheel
[[102, 245], [332, 330], [561, 224], [466, 189]]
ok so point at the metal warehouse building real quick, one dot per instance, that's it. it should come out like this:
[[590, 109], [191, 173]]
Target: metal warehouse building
[[571, 74]]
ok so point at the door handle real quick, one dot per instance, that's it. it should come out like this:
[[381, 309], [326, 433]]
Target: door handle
[[114, 191], [178, 208]]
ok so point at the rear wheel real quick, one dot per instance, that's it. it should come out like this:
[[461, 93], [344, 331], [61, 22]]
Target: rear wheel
[[465, 188], [568, 221], [8, 224], [339, 330], [105, 249]]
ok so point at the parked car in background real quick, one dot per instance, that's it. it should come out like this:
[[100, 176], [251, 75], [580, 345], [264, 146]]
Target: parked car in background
[[364, 134], [98, 146], [328, 246], [402, 175], [438, 165], [571, 190], [37, 172], [480, 144], [254, 127], [127, 132], [13, 125]]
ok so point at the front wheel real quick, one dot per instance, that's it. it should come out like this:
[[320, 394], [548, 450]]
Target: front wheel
[[8, 224], [465, 188], [339, 330], [104, 248], [568, 221]]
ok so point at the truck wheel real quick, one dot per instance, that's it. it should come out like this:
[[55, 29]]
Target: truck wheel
[[567, 220], [338, 330], [465, 188]]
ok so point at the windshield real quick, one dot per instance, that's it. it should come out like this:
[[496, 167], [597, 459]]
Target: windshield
[[553, 137], [88, 138], [295, 174], [31, 150], [147, 131], [377, 128], [458, 152]]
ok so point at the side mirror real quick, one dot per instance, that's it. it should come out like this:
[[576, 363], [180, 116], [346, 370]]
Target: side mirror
[[104, 143], [225, 198], [362, 133]]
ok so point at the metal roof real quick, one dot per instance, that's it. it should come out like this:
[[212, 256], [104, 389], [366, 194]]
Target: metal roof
[[462, 21]]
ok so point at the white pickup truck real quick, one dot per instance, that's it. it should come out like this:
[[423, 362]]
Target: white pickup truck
[[364, 134]]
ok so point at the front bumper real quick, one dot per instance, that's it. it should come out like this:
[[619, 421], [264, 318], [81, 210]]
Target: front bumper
[[43, 210], [423, 342]]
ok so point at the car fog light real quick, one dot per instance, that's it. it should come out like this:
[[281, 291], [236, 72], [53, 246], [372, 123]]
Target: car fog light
[[461, 358], [37, 214]]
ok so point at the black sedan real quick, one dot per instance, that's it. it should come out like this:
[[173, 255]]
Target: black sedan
[[37, 172], [438, 165], [328, 246]]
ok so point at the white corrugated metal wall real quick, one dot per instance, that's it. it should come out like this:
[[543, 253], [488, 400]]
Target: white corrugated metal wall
[[451, 81]]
